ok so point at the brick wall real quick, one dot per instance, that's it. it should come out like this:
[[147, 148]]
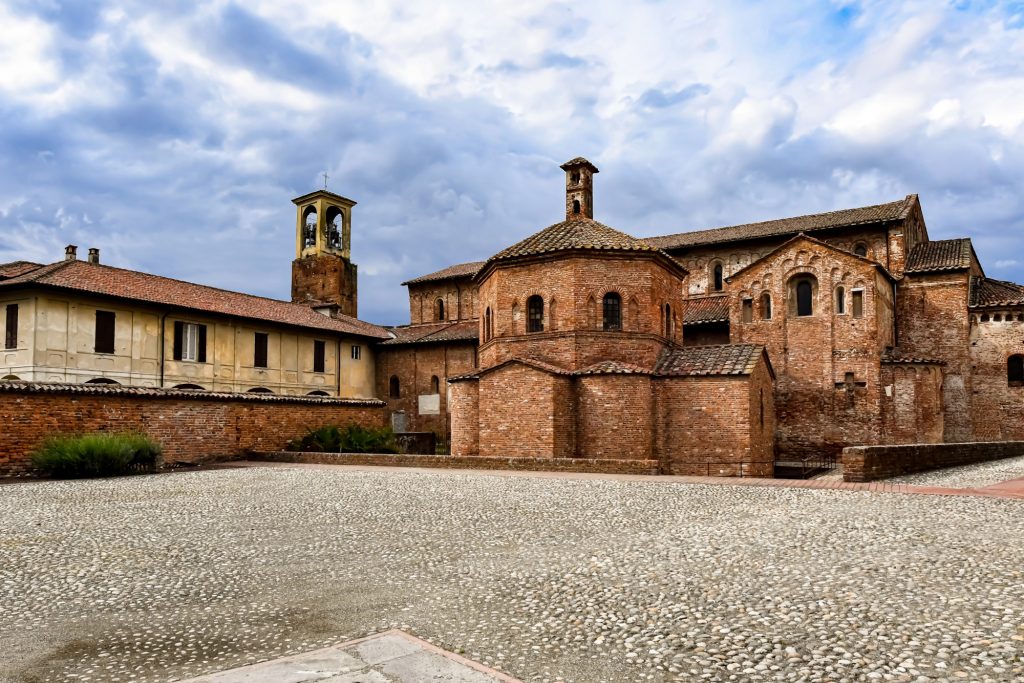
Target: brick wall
[[524, 411], [326, 278], [191, 426], [615, 416], [912, 409], [415, 365], [458, 295], [933, 323], [706, 428], [997, 410], [868, 463], [464, 402]]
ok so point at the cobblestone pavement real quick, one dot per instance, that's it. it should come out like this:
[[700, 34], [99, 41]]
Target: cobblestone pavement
[[968, 476], [170, 576]]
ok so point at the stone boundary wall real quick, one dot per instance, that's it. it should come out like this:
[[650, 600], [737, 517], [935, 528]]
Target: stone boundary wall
[[468, 462], [192, 426], [868, 463]]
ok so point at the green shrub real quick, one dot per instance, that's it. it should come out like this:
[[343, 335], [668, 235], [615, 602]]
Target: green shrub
[[95, 455], [352, 438]]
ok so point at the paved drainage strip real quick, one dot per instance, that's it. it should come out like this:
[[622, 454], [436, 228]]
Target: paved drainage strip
[[390, 657]]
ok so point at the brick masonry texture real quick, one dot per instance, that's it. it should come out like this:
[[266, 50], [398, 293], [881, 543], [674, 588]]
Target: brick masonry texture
[[326, 278], [191, 429], [998, 406], [600, 466], [868, 463]]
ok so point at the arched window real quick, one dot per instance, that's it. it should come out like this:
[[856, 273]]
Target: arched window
[[612, 311], [394, 387], [259, 390], [335, 221], [487, 324], [318, 392], [309, 227], [535, 314], [861, 249], [10, 378], [189, 387], [840, 300], [1015, 370], [766, 306], [435, 385], [102, 380], [747, 310], [439, 309], [575, 206], [668, 321], [717, 279], [575, 177], [803, 290]]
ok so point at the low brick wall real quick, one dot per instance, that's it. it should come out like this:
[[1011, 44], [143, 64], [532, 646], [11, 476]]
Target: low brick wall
[[466, 462], [868, 463], [191, 426]]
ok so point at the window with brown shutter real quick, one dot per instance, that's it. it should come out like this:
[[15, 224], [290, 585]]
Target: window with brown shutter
[[319, 352], [11, 334], [104, 332], [260, 354]]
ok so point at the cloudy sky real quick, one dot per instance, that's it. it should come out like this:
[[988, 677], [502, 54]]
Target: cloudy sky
[[173, 135]]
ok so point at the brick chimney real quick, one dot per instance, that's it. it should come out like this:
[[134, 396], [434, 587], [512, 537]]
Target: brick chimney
[[71, 253], [94, 256]]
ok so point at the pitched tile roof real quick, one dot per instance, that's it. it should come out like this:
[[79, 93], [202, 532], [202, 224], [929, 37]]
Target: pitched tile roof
[[466, 330], [988, 292], [133, 285], [706, 309], [720, 359], [451, 272], [788, 226], [7, 386], [576, 234], [16, 268], [936, 255], [613, 367]]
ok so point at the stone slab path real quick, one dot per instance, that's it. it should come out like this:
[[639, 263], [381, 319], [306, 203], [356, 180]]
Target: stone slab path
[[390, 657]]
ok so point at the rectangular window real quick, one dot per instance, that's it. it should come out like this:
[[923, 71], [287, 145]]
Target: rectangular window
[[104, 332], [748, 310], [357, 352], [259, 359], [858, 303], [319, 353], [11, 335], [189, 341]]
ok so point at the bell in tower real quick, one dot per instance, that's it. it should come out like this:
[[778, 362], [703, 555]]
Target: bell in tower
[[579, 188], [323, 274]]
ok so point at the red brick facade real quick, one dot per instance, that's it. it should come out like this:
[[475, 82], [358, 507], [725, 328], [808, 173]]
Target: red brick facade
[[326, 279], [191, 426]]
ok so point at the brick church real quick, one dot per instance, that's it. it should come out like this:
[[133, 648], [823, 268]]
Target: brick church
[[714, 352]]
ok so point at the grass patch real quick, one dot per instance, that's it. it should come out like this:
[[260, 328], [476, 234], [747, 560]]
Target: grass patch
[[96, 455]]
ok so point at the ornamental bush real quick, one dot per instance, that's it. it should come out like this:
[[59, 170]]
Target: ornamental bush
[[96, 455], [352, 438]]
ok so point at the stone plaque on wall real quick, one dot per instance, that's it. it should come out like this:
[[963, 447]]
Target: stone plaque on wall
[[430, 404]]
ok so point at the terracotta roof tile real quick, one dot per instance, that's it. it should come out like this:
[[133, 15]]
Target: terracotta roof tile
[[571, 235], [451, 272], [788, 226], [706, 309], [133, 285], [16, 268], [721, 359], [121, 390], [940, 255], [613, 367], [466, 330], [988, 292], [578, 161]]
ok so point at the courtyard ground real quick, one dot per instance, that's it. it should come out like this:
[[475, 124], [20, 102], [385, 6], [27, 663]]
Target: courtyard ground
[[549, 578]]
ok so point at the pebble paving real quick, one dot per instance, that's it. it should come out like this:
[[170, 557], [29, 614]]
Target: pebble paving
[[968, 476], [171, 576]]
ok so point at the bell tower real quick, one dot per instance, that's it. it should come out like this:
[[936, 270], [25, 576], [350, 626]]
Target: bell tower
[[322, 272], [579, 188]]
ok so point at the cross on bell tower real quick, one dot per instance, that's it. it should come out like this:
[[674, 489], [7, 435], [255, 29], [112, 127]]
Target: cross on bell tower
[[322, 272], [579, 188]]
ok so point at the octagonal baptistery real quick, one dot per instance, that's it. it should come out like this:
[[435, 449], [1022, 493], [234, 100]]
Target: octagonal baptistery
[[573, 321]]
